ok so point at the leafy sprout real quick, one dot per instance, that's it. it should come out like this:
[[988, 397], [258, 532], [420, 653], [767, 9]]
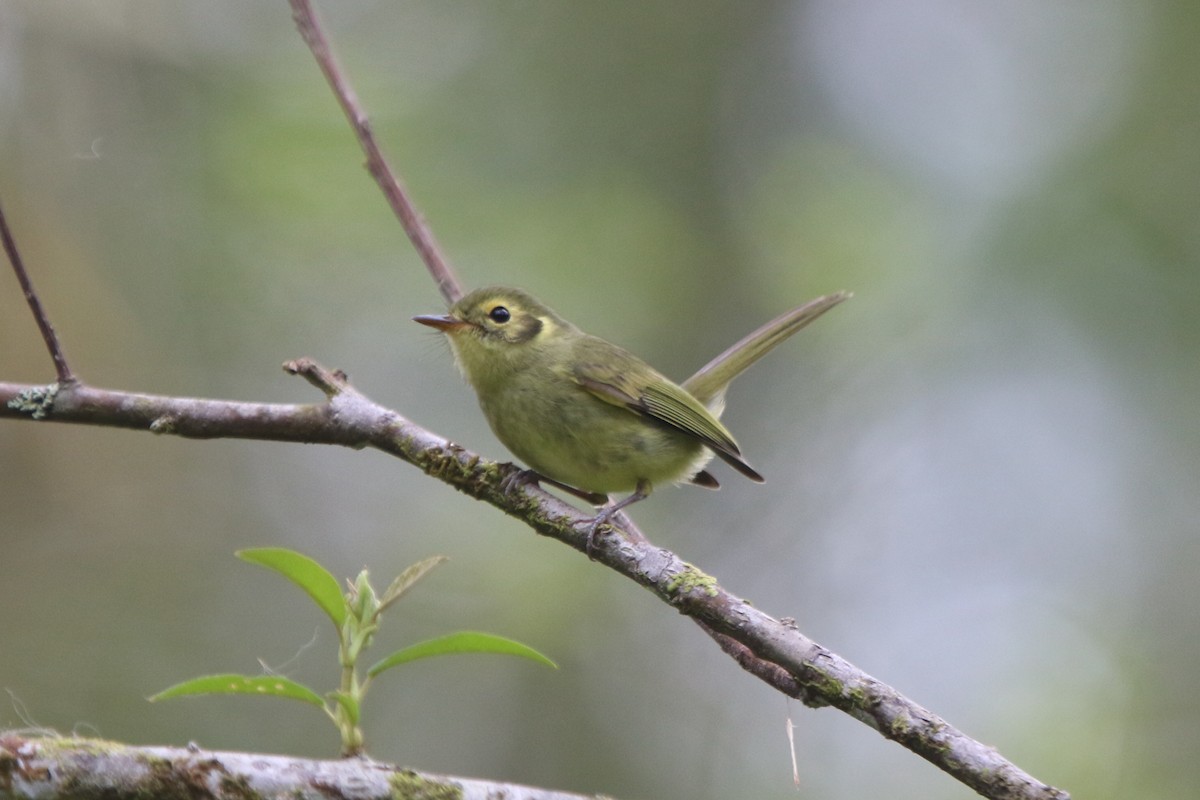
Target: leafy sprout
[[355, 615]]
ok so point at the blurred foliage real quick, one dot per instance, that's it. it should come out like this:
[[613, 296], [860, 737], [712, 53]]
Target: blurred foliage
[[981, 471]]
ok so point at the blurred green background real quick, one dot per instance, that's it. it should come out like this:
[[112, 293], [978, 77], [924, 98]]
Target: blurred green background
[[982, 471]]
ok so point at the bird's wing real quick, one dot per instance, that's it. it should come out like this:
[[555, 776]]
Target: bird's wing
[[666, 402]]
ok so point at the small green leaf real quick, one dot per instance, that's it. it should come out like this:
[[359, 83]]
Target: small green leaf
[[407, 579], [461, 642], [304, 572], [266, 685]]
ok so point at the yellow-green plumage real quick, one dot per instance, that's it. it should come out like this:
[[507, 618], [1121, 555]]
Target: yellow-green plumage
[[584, 412]]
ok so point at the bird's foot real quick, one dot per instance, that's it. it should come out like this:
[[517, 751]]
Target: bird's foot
[[516, 479], [608, 512], [593, 529]]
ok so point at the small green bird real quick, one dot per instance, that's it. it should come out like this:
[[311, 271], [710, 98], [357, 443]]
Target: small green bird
[[588, 416]]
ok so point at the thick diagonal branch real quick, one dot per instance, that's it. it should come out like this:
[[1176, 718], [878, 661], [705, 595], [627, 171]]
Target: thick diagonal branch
[[775, 651]]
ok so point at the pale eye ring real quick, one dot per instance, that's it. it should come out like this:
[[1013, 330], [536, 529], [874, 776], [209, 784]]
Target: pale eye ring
[[499, 314]]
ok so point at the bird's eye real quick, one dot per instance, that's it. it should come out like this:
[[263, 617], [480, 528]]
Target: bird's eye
[[499, 314]]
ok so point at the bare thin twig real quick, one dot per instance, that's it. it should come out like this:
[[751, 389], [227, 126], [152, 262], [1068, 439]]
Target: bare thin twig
[[414, 223], [61, 369], [769, 673]]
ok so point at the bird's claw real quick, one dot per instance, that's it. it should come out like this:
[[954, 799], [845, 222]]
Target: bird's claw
[[517, 478], [593, 530]]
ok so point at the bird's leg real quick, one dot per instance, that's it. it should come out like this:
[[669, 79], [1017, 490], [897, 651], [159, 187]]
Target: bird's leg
[[595, 498], [640, 493], [520, 477]]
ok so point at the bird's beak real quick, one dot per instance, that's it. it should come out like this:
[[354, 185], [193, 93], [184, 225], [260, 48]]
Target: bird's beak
[[444, 323]]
